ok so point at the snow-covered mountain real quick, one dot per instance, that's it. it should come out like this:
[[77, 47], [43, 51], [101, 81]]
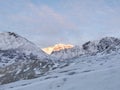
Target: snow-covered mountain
[[20, 58], [14, 46], [10, 40], [102, 46]]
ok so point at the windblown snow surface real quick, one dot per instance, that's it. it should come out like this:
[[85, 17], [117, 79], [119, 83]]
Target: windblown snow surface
[[99, 72]]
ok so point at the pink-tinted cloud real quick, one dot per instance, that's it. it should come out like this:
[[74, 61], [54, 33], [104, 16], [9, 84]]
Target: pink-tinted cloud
[[42, 15]]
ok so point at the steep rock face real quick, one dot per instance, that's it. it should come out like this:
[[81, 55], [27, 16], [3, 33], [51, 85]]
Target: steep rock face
[[20, 58]]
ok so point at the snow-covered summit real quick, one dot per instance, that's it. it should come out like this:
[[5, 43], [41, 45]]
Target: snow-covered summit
[[57, 47], [106, 45], [11, 40]]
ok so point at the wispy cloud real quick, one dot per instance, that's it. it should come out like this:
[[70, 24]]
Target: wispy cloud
[[42, 15]]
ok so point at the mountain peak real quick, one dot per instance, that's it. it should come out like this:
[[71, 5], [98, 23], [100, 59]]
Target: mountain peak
[[104, 44], [13, 34], [9, 34], [57, 47], [11, 40]]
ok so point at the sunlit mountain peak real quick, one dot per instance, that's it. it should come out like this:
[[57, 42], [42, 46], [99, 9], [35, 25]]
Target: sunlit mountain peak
[[57, 47]]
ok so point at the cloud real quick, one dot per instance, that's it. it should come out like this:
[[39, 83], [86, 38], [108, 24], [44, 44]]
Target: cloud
[[43, 15]]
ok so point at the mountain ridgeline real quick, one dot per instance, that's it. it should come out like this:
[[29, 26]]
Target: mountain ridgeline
[[22, 59], [103, 46]]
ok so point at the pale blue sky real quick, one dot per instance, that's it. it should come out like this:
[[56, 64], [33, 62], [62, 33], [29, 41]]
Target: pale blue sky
[[47, 22]]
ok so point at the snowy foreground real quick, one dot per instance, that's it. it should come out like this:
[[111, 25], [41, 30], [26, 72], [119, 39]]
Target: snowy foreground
[[100, 72]]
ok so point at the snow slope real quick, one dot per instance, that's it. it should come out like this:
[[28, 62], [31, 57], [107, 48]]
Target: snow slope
[[101, 72]]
